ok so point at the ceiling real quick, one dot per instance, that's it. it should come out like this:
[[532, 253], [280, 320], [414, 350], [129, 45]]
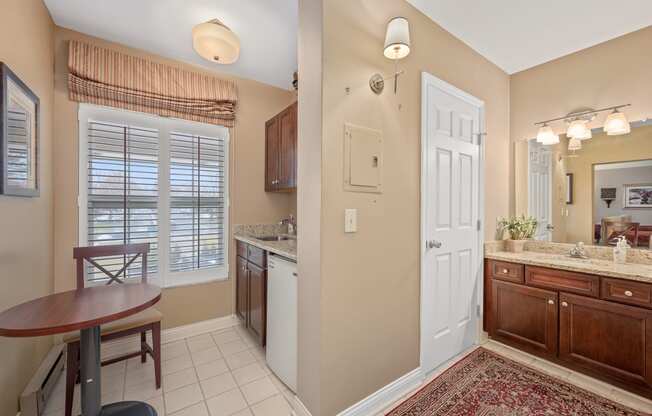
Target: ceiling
[[267, 30], [520, 34]]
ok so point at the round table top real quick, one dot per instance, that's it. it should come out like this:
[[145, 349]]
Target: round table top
[[77, 309]]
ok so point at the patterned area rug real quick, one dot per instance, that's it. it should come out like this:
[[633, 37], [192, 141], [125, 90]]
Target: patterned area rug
[[486, 384]]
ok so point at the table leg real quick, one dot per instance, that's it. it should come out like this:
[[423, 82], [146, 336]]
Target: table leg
[[91, 397]]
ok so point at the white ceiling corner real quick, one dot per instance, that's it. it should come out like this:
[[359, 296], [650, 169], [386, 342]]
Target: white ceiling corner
[[517, 35], [267, 30]]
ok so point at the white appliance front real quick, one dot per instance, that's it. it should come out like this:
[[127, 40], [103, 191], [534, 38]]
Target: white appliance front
[[282, 326]]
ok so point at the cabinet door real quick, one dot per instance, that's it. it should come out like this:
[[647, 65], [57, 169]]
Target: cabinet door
[[272, 144], [257, 302], [606, 338], [242, 290], [287, 164], [524, 316]]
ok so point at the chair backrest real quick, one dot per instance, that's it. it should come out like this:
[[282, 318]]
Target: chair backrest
[[92, 254], [614, 230]]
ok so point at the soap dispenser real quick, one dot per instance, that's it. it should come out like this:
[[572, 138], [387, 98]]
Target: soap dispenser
[[620, 251]]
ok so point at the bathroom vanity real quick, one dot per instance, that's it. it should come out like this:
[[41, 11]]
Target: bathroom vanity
[[590, 315]]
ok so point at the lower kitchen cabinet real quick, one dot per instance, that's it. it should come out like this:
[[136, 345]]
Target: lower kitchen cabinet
[[251, 289], [526, 316], [606, 338]]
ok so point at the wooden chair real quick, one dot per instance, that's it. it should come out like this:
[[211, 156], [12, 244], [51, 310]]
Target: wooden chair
[[148, 320], [613, 230]]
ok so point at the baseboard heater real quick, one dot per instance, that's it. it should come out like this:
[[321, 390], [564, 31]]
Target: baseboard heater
[[39, 388]]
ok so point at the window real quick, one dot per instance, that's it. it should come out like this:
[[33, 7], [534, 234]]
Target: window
[[151, 179]]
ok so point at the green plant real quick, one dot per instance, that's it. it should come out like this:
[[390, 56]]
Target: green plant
[[519, 228]]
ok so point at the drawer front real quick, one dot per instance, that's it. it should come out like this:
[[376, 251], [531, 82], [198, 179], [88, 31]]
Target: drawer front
[[241, 248], [257, 256], [626, 291], [582, 284], [510, 272]]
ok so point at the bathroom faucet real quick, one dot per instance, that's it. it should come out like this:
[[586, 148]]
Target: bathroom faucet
[[578, 251]]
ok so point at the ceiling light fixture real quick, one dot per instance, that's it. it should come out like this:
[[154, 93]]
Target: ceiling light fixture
[[616, 124], [215, 42], [578, 130]]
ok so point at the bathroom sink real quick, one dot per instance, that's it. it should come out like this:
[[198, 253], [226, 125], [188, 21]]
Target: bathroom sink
[[273, 238]]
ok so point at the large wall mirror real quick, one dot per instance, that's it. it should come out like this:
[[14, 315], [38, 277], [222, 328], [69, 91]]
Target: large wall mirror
[[594, 194]]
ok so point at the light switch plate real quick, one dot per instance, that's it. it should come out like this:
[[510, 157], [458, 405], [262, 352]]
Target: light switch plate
[[350, 220]]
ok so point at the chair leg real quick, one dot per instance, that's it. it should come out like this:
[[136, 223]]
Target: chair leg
[[143, 345], [156, 346], [72, 368]]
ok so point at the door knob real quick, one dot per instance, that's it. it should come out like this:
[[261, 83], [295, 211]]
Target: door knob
[[434, 244], [550, 227]]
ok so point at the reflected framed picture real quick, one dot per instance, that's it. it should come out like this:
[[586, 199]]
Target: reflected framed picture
[[19, 136], [637, 196]]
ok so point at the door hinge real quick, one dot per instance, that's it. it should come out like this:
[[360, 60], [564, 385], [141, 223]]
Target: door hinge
[[479, 225], [477, 310]]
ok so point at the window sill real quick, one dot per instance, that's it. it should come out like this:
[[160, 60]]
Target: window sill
[[194, 282]]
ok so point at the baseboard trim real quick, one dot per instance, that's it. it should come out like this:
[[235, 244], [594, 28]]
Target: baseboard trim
[[300, 409], [129, 344], [378, 401]]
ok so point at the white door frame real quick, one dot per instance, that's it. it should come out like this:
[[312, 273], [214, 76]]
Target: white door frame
[[429, 79]]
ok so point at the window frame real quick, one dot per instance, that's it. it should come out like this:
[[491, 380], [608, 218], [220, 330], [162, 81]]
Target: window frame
[[165, 126]]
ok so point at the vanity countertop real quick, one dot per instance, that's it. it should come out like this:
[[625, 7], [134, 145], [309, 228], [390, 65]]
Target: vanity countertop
[[285, 248], [602, 267]]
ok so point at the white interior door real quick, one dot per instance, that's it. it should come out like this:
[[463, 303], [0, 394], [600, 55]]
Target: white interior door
[[450, 183], [540, 188]]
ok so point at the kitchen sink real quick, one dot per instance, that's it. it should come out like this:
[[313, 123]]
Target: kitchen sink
[[274, 238]]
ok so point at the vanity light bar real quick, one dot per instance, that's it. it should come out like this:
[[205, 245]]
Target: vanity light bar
[[583, 113]]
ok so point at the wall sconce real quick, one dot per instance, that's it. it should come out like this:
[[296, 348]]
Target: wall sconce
[[397, 46]]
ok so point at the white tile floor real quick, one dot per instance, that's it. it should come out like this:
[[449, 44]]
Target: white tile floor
[[590, 384], [218, 374]]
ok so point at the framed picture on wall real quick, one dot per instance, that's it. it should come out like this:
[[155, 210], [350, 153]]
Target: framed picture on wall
[[569, 188], [637, 196], [19, 136]]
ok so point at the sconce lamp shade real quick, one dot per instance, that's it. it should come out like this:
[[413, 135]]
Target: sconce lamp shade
[[546, 135], [215, 42], [578, 130], [574, 144], [397, 39], [616, 124]]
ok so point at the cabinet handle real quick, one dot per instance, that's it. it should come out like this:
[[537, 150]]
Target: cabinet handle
[[551, 302], [564, 304], [629, 293], [505, 271]]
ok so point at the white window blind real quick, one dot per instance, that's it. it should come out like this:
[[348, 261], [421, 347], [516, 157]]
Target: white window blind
[[122, 192], [197, 202], [158, 180]]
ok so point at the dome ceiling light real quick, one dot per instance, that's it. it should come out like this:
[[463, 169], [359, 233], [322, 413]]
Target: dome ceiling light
[[578, 125], [215, 42]]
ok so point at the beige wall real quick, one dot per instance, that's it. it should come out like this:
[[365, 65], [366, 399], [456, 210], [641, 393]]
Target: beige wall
[[26, 223], [249, 203], [600, 149], [370, 280], [611, 73]]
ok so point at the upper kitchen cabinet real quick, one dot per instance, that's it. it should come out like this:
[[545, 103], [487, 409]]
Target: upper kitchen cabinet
[[281, 151]]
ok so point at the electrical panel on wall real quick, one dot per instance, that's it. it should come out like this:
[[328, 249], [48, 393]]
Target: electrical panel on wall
[[363, 159]]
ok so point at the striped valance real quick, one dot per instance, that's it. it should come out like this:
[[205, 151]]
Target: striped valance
[[106, 77]]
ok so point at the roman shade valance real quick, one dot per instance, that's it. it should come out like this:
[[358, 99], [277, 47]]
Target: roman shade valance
[[106, 77]]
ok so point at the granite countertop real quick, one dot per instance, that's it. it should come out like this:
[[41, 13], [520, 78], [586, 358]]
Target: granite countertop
[[248, 233], [552, 258]]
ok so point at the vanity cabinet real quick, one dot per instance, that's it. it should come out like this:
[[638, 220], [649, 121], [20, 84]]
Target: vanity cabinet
[[593, 324], [525, 316], [281, 151], [606, 338], [251, 289]]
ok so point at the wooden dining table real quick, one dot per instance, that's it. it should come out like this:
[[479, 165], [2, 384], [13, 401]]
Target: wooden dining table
[[84, 310]]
